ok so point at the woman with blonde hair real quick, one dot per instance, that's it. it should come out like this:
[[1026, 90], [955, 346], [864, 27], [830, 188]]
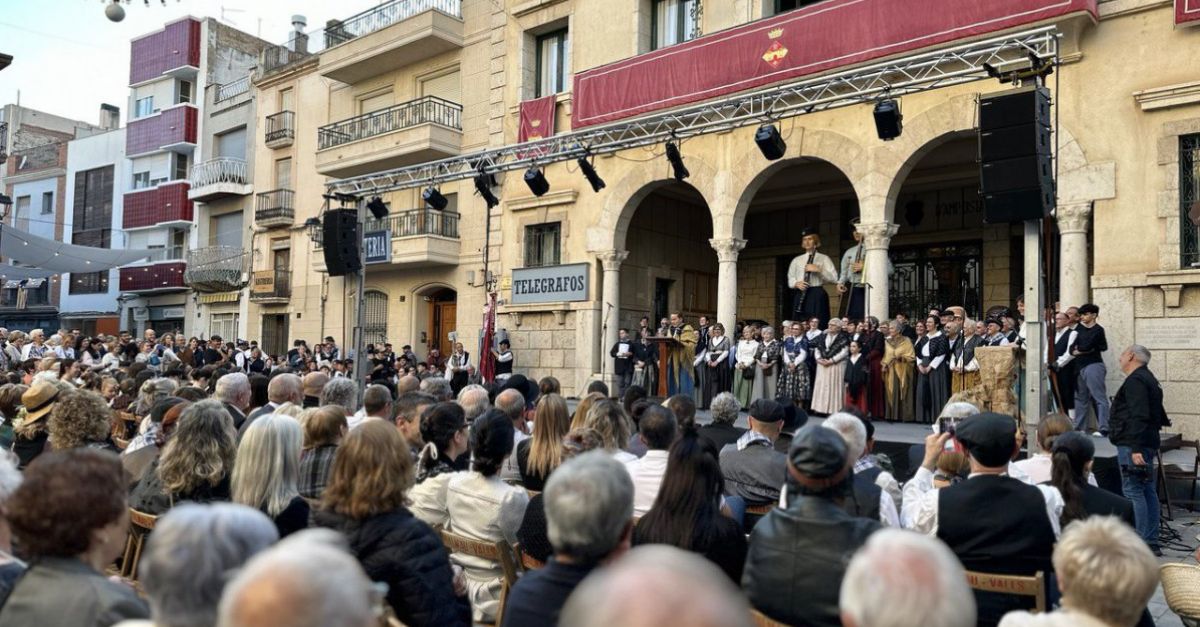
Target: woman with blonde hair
[[542, 453], [579, 418], [324, 429], [365, 500], [267, 473], [195, 465], [608, 419]]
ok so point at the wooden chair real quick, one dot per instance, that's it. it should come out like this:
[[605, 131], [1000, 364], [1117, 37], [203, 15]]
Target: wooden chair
[[140, 526], [528, 562], [123, 423], [762, 620], [760, 510], [1019, 585], [1168, 473], [500, 552]]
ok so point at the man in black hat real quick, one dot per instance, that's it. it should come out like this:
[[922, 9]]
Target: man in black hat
[[753, 469], [798, 552], [806, 275], [994, 337], [993, 522]]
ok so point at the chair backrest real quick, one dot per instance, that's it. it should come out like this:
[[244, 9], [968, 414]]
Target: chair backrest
[[760, 510], [499, 552], [140, 526], [528, 562], [762, 620], [1018, 585]]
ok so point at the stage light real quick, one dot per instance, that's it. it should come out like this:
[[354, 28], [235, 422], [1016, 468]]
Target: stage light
[[483, 185], [676, 159], [589, 172], [888, 119], [378, 208], [536, 181], [770, 142], [434, 198]]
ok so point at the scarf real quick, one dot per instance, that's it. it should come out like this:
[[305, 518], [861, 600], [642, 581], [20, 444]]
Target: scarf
[[752, 437]]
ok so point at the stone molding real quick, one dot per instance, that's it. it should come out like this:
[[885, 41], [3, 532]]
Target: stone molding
[[728, 249], [878, 235], [1073, 218], [611, 259]]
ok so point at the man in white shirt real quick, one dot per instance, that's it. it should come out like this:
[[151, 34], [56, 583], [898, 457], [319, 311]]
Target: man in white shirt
[[806, 275], [657, 431], [377, 405]]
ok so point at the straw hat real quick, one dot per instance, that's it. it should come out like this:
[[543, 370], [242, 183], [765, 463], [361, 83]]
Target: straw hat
[[1181, 587], [39, 400]]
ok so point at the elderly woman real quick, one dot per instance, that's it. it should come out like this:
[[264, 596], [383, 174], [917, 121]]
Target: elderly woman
[[195, 465], [189, 558], [744, 366], [793, 386], [964, 368], [31, 431], [267, 473], [81, 419], [36, 348], [71, 517], [831, 351], [721, 430], [897, 367], [766, 362]]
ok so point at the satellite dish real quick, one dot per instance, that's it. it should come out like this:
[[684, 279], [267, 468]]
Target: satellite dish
[[114, 12]]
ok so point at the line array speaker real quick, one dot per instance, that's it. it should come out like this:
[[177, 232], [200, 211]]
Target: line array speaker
[[341, 242], [1016, 172]]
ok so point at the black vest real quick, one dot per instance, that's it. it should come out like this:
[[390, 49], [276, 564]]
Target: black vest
[[1062, 345], [996, 524], [870, 474], [504, 367], [864, 501]]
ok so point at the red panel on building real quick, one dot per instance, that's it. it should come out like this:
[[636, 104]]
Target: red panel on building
[[1187, 12], [173, 126], [798, 43], [155, 277], [165, 203], [176, 45]]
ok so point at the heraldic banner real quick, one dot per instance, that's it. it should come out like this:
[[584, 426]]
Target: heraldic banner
[[537, 119]]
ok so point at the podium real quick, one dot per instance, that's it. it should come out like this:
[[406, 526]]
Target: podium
[[665, 344]]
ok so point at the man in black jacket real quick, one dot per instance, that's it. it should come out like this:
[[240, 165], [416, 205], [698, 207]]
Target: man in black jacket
[[623, 355], [1137, 417]]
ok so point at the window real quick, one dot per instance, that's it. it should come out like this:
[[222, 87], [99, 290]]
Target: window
[[176, 242], [783, 6], [180, 170], [47, 202], [141, 180], [283, 173], [89, 283], [1189, 200], [674, 21], [143, 107], [224, 325], [285, 100], [184, 93], [232, 144], [92, 224], [542, 244], [22, 213], [553, 58], [376, 102], [375, 316], [226, 230]]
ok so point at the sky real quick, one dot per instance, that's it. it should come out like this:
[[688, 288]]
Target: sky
[[68, 57]]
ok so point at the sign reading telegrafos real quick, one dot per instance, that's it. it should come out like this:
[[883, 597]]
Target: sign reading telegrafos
[[550, 284]]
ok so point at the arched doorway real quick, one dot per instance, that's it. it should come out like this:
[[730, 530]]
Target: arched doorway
[[435, 315]]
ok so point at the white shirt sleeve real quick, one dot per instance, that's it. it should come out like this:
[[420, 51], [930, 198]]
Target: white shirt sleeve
[[887, 511], [1066, 357], [1054, 507], [829, 273], [919, 511], [841, 356], [937, 361], [796, 270], [508, 356], [1017, 472], [888, 483]]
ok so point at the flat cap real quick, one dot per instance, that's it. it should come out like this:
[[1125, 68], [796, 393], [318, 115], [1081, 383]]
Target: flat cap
[[765, 410], [990, 438], [817, 457]]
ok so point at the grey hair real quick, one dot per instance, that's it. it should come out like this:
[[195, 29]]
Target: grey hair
[[342, 392], [589, 506], [439, 387], [852, 430], [959, 410], [232, 388], [648, 577], [511, 402], [901, 578], [192, 553], [768, 328], [307, 580], [1140, 353], [724, 408], [376, 398], [474, 401], [154, 391], [266, 474]]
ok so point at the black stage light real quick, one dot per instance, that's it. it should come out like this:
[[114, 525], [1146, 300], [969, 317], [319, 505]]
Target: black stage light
[[434, 198], [676, 159], [589, 172], [770, 142], [483, 185], [536, 181], [378, 208], [888, 119]]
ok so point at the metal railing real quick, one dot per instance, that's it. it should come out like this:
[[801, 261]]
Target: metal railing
[[424, 110], [216, 268], [410, 223], [3, 141], [219, 170], [276, 203], [384, 15], [281, 126], [230, 90], [271, 284]]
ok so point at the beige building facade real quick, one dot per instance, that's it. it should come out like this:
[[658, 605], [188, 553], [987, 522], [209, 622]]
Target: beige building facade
[[718, 243]]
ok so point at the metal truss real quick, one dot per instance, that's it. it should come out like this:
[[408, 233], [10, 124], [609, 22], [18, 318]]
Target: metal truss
[[905, 75]]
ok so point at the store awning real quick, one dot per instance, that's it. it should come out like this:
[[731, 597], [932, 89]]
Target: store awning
[[48, 254], [16, 273], [220, 297]]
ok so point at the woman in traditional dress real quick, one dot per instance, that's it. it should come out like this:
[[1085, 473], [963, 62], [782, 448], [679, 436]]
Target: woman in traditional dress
[[714, 368], [897, 368], [812, 334], [933, 372], [872, 348], [831, 352], [793, 385], [767, 362], [964, 368], [856, 377], [743, 367]]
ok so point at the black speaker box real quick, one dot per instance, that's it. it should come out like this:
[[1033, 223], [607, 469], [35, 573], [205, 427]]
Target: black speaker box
[[1007, 175], [1015, 167], [1014, 108], [1014, 141], [1031, 203], [341, 242]]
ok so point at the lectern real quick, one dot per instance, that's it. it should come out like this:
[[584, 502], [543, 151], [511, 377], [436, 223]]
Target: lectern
[[665, 344]]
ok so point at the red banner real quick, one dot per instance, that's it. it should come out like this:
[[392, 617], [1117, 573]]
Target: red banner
[[798, 43], [537, 119], [1187, 12]]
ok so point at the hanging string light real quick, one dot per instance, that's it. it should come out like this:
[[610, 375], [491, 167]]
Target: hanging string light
[[115, 12]]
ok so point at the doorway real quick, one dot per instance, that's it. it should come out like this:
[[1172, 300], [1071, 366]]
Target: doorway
[[275, 334], [662, 301], [937, 276], [435, 318]]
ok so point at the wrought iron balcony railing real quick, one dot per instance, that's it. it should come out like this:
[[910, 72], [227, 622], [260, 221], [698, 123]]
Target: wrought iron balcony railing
[[424, 110], [216, 268], [232, 90], [219, 170], [275, 204], [281, 127], [384, 15], [410, 223]]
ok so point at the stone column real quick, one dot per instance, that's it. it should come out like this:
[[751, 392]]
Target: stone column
[[876, 238], [727, 255], [1073, 281], [610, 308]]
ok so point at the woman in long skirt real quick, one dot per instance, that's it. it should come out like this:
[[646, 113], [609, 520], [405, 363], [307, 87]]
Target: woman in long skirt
[[767, 362], [743, 366], [872, 348], [831, 352], [645, 371], [933, 373], [793, 385], [857, 374], [964, 368], [714, 369], [897, 367], [812, 335]]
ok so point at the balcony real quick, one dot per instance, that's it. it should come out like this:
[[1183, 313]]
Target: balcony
[[390, 36], [218, 178], [216, 269], [155, 206], [231, 94], [275, 208], [3, 142], [420, 238], [271, 287], [281, 129], [172, 129], [172, 51], [420, 130], [159, 277]]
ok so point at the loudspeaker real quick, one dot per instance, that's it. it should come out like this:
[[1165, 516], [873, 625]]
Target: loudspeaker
[[770, 142], [1016, 173], [341, 242]]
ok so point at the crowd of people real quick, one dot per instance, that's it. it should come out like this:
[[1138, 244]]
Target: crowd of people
[[292, 496]]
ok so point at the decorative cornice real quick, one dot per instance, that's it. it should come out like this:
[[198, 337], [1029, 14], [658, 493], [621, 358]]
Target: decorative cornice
[[877, 235], [1168, 96], [611, 259]]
